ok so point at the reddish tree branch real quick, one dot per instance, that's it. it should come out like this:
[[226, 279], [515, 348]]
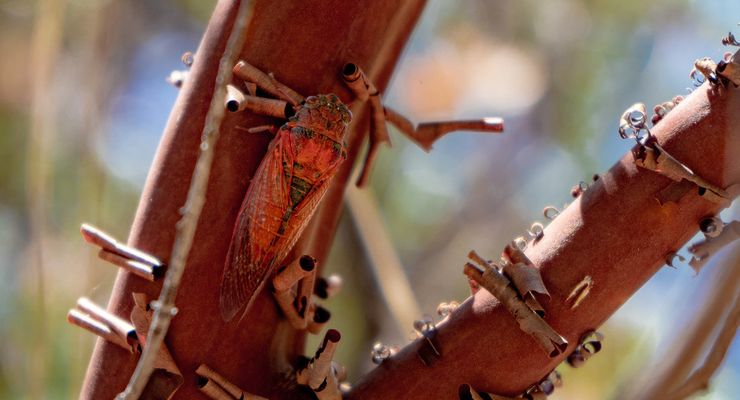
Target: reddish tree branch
[[305, 45], [615, 232]]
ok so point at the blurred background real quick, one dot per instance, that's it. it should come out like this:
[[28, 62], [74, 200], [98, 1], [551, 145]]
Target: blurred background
[[83, 102]]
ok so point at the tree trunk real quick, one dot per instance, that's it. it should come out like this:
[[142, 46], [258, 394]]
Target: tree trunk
[[305, 44]]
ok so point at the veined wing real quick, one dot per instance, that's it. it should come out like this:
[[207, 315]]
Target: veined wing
[[304, 210], [257, 231]]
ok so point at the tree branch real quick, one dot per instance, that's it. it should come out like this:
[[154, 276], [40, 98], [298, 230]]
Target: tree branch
[[615, 232]]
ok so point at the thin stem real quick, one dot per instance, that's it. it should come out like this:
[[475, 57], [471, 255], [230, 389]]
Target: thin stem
[[700, 378], [164, 308], [385, 262]]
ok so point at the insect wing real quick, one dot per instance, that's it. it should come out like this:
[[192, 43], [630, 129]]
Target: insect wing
[[305, 209], [256, 232]]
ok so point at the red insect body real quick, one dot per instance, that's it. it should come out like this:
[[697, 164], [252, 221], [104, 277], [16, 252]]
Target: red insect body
[[283, 195]]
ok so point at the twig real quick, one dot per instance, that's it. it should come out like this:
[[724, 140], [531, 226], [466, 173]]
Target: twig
[[699, 380], [164, 308], [677, 366], [386, 265], [427, 133]]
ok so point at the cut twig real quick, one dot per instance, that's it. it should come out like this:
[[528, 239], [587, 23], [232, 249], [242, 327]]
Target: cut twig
[[294, 272], [177, 78], [164, 307], [238, 101], [305, 294], [227, 387], [319, 317], [144, 270], [266, 82], [124, 332], [427, 133], [235, 99], [529, 322], [211, 389], [365, 90], [287, 302], [100, 328], [133, 260], [318, 375]]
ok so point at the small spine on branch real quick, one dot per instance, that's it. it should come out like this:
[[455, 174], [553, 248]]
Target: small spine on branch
[[381, 352], [430, 350]]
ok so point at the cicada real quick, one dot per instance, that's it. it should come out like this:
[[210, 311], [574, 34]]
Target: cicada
[[282, 196]]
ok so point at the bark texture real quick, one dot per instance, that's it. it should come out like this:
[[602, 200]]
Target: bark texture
[[305, 44]]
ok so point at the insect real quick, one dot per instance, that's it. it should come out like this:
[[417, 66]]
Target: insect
[[283, 195]]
